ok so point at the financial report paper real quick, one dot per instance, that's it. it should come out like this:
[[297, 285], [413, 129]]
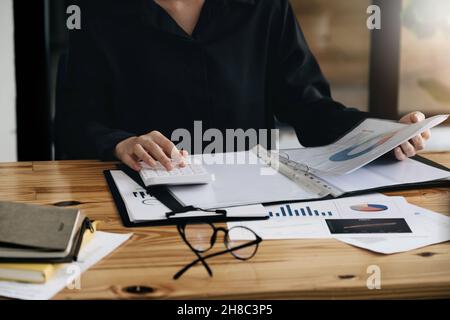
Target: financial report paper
[[365, 143], [308, 220]]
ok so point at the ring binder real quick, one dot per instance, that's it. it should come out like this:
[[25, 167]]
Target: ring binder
[[306, 177], [300, 173]]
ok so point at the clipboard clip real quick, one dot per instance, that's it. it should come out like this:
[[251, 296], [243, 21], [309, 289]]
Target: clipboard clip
[[90, 225], [188, 209]]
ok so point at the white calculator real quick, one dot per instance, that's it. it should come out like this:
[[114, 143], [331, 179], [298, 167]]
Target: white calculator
[[190, 174]]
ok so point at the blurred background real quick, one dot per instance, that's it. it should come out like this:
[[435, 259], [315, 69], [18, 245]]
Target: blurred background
[[403, 67]]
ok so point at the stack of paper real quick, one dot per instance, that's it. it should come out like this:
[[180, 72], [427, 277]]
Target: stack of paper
[[66, 275], [436, 229], [38, 272], [374, 222]]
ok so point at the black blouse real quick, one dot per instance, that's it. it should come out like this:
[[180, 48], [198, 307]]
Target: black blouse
[[131, 69]]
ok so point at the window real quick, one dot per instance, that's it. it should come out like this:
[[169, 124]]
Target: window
[[425, 52], [337, 34]]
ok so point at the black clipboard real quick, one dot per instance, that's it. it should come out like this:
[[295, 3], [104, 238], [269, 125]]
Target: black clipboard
[[165, 197]]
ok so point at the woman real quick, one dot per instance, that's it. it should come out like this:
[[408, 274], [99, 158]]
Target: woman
[[139, 69]]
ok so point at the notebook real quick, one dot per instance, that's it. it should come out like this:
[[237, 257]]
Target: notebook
[[39, 233], [24, 272], [36, 272]]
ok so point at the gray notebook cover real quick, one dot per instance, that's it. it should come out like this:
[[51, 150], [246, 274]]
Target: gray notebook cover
[[40, 227]]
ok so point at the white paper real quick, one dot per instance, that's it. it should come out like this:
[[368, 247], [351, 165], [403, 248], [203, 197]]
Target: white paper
[[385, 172], [237, 184], [368, 141], [143, 207], [437, 228], [289, 226], [140, 205], [256, 211], [101, 245], [282, 229]]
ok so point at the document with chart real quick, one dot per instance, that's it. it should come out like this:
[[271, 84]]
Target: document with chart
[[358, 217], [373, 222], [367, 142], [436, 225]]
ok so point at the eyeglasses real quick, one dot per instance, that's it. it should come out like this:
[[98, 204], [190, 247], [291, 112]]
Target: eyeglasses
[[201, 237]]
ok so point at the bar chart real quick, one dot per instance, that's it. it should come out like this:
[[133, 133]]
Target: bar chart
[[289, 210]]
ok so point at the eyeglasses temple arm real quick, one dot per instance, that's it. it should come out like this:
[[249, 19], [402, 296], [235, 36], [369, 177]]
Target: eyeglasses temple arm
[[202, 259], [199, 257], [190, 265]]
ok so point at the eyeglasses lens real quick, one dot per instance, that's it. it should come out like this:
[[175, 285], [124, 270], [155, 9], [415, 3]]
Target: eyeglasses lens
[[199, 236], [239, 236]]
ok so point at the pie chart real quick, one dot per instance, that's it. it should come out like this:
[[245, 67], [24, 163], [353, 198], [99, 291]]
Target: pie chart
[[361, 148], [367, 207]]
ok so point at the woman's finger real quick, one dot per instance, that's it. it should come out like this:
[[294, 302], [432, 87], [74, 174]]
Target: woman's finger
[[408, 149], [426, 135], [399, 154], [129, 161], [168, 148], [157, 153], [418, 143], [165, 144], [417, 117], [143, 155]]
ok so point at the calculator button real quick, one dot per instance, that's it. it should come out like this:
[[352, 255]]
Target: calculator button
[[179, 175], [186, 171], [198, 170]]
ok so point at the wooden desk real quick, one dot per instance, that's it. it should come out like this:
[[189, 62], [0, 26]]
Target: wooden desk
[[282, 269]]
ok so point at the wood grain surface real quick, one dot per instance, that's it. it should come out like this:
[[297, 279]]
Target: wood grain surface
[[296, 269]]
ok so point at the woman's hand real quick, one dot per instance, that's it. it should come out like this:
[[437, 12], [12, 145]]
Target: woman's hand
[[410, 148], [149, 148]]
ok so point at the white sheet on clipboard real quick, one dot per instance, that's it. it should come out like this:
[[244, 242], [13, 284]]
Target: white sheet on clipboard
[[240, 184]]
